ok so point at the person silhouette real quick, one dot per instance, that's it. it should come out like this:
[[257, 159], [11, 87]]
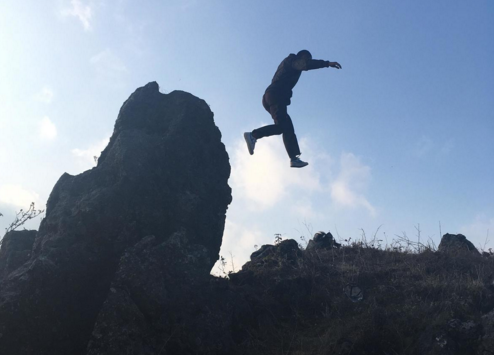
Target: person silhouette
[[277, 97]]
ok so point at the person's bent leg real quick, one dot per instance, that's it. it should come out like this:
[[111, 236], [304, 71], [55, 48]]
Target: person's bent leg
[[267, 131], [277, 107], [284, 121]]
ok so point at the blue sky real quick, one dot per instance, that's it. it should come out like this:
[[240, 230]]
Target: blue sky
[[401, 136]]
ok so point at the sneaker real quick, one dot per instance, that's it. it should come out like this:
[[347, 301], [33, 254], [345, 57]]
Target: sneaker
[[297, 163], [251, 142]]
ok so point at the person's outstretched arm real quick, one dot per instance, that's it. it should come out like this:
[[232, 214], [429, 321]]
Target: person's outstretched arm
[[310, 64]]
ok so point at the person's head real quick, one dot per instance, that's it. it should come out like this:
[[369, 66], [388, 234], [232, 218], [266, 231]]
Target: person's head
[[304, 54]]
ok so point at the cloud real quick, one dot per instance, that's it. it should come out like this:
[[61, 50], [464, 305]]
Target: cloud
[[480, 231], [266, 177], [265, 180], [448, 146], [109, 65], [258, 177], [45, 95], [85, 157], [423, 146], [346, 189], [304, 209], [83, 13], [264, 183], [47, 129], [107, 61], [188, 4], [17, 196], [238, 243]]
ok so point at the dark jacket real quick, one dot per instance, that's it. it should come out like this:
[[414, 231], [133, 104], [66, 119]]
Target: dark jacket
[[287, 75]]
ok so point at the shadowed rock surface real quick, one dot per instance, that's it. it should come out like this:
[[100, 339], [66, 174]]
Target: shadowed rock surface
[[15, 250], [161, 302], [162, 180], [322, 240], [456, 243]]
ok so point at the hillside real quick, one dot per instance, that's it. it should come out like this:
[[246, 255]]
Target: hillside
[[403, 301], [121, 265]]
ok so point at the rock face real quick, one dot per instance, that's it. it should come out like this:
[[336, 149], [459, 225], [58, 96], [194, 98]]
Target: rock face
[[322, 240], [269, 255], [159, 301], [456, 243], [159, 190], [15, 250]]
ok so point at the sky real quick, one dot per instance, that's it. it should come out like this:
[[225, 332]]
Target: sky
[[399, 141]]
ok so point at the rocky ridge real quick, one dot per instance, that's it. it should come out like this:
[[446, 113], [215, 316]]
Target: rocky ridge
[[160, 184], [121, 265]]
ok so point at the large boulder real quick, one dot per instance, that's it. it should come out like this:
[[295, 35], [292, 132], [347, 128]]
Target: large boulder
[[15, 250], [456, 243], [161, 179]]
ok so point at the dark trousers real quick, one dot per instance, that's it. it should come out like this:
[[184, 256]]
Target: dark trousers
[[282, 124]]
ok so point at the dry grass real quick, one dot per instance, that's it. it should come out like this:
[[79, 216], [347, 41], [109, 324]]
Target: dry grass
[[411, 295]]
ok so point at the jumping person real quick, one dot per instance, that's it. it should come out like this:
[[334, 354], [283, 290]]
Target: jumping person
[[276, 99]]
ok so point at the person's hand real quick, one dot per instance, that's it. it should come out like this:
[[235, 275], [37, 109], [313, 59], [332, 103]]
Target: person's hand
[[334, 65]]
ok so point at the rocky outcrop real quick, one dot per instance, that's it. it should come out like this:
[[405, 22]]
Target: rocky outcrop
[[286, 250], [160, 301], [322, 240], [15, 250], [159, 191], [456, 243]]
